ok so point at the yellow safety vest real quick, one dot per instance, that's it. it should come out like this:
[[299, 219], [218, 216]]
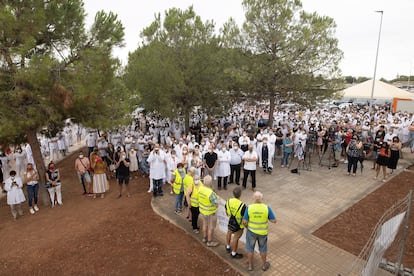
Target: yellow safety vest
[[195, 194], [205, 205], [258, 218], [188, 180], [232, 205], [178, 182]]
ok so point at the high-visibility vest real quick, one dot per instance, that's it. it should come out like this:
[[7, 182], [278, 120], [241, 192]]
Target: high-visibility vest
[[205, 205], [258, 218], [188, 181], [232, 205], [178, 182], [195, 194]]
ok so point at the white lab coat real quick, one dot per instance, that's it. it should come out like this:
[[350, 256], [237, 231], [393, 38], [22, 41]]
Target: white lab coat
[[14, 193], [223, 166]]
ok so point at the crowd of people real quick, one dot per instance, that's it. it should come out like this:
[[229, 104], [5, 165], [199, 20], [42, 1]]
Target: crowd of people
[[213, 154]]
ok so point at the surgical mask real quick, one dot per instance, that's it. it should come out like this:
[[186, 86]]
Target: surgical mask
[[196, 182], [180, 170], [80, 156]]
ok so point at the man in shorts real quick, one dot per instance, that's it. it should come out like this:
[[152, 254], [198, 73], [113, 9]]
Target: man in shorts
[[235, 207], [207, 200], [256, 219]]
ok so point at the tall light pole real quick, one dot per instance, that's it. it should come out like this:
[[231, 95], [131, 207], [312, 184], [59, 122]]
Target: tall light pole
[[376, 60], [409, 76]]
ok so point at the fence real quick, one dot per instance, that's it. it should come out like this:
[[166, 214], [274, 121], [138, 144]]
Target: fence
[[387, 240]]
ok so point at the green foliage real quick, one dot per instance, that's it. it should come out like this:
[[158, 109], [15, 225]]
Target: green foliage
[[179, 66], [292, 55], [52, 68]]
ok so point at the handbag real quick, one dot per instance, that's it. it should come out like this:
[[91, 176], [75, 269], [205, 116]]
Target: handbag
[[112, 167], [88, 170], [234, 225]]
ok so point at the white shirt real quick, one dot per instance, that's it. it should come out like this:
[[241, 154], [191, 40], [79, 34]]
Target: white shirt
[[157, 165], [250, 165]]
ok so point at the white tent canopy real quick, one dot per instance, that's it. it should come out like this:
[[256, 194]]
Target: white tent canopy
[[382, 90]]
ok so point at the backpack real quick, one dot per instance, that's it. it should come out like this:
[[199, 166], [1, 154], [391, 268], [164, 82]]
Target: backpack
[[234, 225]]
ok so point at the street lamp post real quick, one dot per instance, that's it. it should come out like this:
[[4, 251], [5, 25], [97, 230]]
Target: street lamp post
[[376, 60]]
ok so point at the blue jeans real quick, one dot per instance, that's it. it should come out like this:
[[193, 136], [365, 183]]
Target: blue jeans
[[411, 138], [178, 204], [285, 158], [32, 191], [251, 239]]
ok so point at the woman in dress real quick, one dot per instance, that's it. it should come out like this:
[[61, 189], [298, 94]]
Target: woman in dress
[[395, 148], [5, 163], [100, 183], [133, 165], [53, 184], [382, 160]]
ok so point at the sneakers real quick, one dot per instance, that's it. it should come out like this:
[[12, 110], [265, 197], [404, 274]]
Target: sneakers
[[228, 249], [31, 211], [237, 256], [177, 212], [36, 208], [196, 231], [204, 240], [212, 244]]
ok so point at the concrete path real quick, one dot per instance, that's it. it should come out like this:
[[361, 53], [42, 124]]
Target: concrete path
[[302, 203]]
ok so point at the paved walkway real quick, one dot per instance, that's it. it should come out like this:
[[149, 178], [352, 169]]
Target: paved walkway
[[302, 203]]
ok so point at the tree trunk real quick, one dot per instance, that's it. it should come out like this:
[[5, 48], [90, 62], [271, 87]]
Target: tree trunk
[[271, 110], [186, 121], [40, 164]]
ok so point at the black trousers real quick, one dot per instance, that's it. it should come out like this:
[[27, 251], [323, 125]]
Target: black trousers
[[235, 173], [246, 174], [157, 187], [224, 182], [195, 212]]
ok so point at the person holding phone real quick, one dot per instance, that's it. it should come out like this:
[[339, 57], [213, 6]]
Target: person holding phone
[[13, 185]]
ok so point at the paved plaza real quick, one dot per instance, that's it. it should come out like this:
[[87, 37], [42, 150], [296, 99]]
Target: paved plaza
[[302, 203]]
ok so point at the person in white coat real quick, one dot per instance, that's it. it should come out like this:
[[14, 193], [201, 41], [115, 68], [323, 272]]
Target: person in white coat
[[157, 162], [223, 167], [265, 152], [13, 185]]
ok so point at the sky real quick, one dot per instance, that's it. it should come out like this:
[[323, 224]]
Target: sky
[[357, 29]]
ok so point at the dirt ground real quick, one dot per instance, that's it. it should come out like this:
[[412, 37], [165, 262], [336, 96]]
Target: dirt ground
[[107, 236], [351, 229]]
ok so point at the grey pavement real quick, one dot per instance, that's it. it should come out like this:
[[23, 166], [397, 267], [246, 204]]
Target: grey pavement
[[302, 203]]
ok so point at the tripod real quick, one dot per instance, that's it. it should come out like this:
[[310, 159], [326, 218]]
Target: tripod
[[331, 156], [300, 155]]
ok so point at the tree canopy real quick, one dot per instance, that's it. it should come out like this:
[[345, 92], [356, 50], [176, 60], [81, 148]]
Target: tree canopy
[[179, 65], [52, 69], [292, 55]]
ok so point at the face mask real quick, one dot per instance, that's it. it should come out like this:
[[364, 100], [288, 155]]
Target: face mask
[[180, 170], [80, 156], [123, 156], [196, 182], [19, 151], [235, 147]]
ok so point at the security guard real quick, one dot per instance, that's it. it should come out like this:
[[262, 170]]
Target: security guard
[[178, 187], [235, 207], [208, 204], [256, 220], [192, 196]]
